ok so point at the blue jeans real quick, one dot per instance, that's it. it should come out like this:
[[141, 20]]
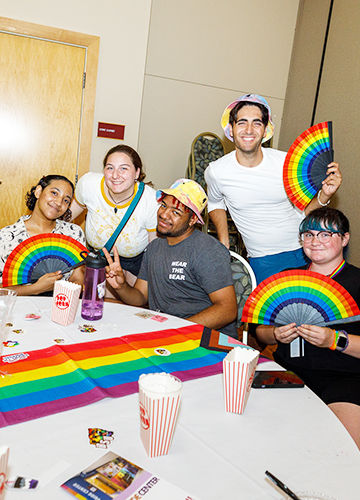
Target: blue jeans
[[264, 267]]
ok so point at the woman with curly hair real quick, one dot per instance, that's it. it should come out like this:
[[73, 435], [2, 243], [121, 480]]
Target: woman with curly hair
[[49, 201]]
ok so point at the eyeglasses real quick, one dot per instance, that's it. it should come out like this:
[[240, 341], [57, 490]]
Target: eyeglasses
[[322, 236]]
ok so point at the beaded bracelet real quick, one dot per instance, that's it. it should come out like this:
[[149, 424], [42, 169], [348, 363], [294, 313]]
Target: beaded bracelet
[[336, 336], [320, 202]]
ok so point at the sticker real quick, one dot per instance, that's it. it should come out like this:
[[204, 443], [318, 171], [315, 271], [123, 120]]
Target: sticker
[[101, 438], [59, 341], [11, 358], [144, 314], [22, 483], [162, 352], [18, 331], [159, 318], [10, 343], [62, 301], [31, 316], [87, 328], [101, 289]]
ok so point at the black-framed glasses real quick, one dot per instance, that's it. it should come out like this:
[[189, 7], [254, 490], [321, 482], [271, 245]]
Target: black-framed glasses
[[322, 236]]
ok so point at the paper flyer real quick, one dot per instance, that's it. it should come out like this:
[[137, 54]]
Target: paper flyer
[[113, 477]]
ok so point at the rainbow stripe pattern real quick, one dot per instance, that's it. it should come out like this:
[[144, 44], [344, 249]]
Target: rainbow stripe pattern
[[299, 296], [63, 377], [41, 254], [306, 163]]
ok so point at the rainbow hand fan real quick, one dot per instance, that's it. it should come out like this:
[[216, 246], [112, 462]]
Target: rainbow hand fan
[[306, 163], [41, 254], [301, 297]]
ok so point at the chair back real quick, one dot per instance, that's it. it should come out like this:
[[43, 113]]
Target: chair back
[[205, 148], [244, 283]]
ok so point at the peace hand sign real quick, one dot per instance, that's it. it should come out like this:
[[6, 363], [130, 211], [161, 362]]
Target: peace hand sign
[[114, 273]]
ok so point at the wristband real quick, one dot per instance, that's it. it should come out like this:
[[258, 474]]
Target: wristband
[[320, 202], [336, 336]]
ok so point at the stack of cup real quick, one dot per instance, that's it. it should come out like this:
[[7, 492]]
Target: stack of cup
[[65, 302], [7, 301], [159, 401], [4, 456], [238, 370]]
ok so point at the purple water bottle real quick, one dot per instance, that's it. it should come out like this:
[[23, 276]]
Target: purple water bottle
[[94, 287]]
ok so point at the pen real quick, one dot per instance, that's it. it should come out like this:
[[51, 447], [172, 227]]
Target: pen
[[281, 485]]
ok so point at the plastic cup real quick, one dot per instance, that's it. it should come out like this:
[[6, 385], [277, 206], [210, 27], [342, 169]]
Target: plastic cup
[[65, 302], [238, 373], [159, 402], [4, 456]]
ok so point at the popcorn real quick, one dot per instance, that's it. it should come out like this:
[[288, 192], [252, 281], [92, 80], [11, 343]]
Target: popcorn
[[159, 402], [65, 302], [238, 373]]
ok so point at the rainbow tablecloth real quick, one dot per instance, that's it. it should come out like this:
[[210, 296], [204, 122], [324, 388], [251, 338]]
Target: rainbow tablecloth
[[63, 377]]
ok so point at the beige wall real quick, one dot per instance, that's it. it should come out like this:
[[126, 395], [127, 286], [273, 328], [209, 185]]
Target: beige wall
[[338, 97], [304, 70], [203, 54], [123, 29]]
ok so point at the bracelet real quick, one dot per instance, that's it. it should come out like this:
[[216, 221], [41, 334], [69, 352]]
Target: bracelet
[[333, 345], [320, 202]]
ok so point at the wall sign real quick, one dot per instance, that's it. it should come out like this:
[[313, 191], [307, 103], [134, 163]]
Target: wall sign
[[111, 130]]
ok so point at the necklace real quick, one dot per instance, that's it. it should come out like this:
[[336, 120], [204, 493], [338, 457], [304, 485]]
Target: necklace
[[335, 271], [119, 202]]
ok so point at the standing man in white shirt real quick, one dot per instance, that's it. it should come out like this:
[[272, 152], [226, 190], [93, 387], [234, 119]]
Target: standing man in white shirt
[[249, 183]]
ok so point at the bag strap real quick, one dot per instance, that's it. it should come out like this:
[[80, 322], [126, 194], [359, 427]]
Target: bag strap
[[111, 241]]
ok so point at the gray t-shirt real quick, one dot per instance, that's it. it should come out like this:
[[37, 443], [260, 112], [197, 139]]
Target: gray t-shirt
[[180, 277]]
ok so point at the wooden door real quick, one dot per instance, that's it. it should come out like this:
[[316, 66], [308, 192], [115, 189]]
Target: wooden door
[[40, 110], [45, 114]]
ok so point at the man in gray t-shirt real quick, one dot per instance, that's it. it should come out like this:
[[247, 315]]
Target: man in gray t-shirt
[[186, 272]]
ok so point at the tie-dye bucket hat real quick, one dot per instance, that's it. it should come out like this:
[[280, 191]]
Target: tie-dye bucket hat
[[189, 193], [257, 99]]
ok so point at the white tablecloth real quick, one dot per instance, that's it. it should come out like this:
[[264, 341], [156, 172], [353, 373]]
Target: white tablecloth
[[214, 455]]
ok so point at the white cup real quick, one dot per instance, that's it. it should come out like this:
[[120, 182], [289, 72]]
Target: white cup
[[4, 456], [159, 402], [7, 301]]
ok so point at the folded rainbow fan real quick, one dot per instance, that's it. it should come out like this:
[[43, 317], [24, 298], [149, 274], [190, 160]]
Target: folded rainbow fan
[[41, 254], [306, 163], [301, 297]]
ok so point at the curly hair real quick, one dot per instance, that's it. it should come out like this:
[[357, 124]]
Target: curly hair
[[134, 156], [30, 198]]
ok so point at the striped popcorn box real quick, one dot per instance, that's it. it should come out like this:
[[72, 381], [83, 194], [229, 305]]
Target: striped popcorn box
[[159, 401], [65, 302], [238, 373], [4, 456]]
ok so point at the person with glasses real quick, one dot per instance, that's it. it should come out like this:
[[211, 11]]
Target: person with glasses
[[330, 365]]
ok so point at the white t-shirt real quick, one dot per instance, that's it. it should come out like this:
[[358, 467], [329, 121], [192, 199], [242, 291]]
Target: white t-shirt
[[101, 219], [257, 202]]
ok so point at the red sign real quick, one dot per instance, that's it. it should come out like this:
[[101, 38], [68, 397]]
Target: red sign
[[111, 130]]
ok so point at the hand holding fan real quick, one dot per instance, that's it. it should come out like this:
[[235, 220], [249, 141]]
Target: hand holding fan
[[41, 254], [306, 163], [301, 297]]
